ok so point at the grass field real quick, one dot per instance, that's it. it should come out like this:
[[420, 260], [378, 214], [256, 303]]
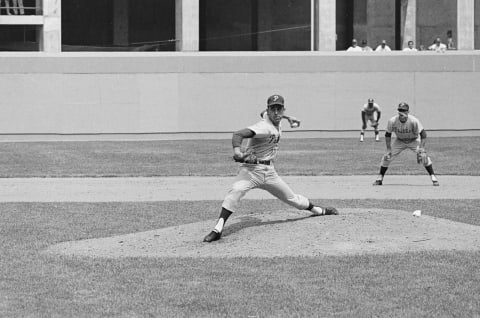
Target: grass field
[[33, 284], [316, 156]]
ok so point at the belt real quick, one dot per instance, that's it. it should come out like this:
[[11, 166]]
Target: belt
[[262, 162], [265, 162]]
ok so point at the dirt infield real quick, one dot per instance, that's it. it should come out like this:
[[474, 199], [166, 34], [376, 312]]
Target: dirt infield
[[214, 188], [285, 233]]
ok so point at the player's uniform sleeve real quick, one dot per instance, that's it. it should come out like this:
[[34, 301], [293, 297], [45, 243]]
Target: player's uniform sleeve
[[390, 124], [419, 126], [260, 129]]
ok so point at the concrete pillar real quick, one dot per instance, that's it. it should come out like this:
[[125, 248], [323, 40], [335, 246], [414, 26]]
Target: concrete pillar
[[51, 37], [38, 7], [408, 23], [120, 22], [324, 25], [465, 24], [187, 25]]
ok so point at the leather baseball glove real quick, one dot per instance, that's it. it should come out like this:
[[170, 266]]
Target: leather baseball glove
[[422, 156], [249, 157], [374, 124]]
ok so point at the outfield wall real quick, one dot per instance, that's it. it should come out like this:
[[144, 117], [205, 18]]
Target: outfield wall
[[152, 92]]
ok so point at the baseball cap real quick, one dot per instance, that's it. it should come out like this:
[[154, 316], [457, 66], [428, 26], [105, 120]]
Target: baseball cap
[[370, 100], [275, 100], [403, 107]]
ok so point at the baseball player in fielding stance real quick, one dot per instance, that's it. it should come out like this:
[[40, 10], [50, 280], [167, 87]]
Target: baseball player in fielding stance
[[257, 170], [410, 135], [370, 114]]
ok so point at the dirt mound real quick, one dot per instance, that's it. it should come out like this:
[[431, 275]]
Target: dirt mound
[[289, 233]]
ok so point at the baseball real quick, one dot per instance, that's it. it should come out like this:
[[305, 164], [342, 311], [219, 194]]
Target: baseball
[[417, 213]]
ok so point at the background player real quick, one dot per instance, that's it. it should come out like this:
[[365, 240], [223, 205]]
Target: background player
[[370, 114], [410, 135], [257, 170]]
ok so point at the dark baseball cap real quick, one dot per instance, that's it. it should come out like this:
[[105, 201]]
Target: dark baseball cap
[[275, 100], [403, 107]]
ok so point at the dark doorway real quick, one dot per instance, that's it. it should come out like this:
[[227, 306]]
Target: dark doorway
[[344, 27]]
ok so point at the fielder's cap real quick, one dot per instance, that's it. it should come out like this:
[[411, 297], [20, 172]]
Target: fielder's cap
[[403, 107], [370, 100], [275, 100]]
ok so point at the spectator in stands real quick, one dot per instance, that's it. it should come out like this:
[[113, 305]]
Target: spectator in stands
[[438, 46], [450, 43], [383, 47], [365, 47], [7, 6], [18, 7], [354, 47], [410, 47]]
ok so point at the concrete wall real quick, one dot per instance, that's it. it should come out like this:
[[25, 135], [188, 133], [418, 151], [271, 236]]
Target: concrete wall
[[86, 93]]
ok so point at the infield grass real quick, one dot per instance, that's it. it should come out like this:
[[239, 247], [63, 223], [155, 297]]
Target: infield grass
[[316, 156]]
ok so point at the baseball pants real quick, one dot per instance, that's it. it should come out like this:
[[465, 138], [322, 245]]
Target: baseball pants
[[262, 177], [398, 146], [369, 120]]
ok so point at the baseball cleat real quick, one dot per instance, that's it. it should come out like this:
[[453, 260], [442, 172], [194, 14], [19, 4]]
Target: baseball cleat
[[377, 138], [331, 211], [378, 182], [318, 211], [212, 236], [436, 183]]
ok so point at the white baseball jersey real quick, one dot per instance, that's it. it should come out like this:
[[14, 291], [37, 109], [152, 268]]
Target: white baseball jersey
[[408, 137], [407, 131], [265, 142], [370, 111], [265, 145]]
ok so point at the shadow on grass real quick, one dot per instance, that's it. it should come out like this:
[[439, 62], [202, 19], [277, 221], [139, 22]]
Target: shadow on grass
[[251, 221]]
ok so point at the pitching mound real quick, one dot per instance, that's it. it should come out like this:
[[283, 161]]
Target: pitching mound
[[289, 233]]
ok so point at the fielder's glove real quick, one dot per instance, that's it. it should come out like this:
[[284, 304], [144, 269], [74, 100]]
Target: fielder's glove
[[374, 124], [248, 157], [422, 156]]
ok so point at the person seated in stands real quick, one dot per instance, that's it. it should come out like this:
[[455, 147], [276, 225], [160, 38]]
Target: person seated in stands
[[438, 46], [365, 47], [410, 47], [354, 47], [383, 47]]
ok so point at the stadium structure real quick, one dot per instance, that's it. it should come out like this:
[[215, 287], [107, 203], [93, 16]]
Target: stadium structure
[[151, 67]]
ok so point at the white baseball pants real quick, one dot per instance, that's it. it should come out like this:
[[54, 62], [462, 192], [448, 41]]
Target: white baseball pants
[[398, 146], [252, 176]]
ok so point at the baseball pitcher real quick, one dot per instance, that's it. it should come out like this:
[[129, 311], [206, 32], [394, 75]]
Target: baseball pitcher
[[257, 169], [410, 135]]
